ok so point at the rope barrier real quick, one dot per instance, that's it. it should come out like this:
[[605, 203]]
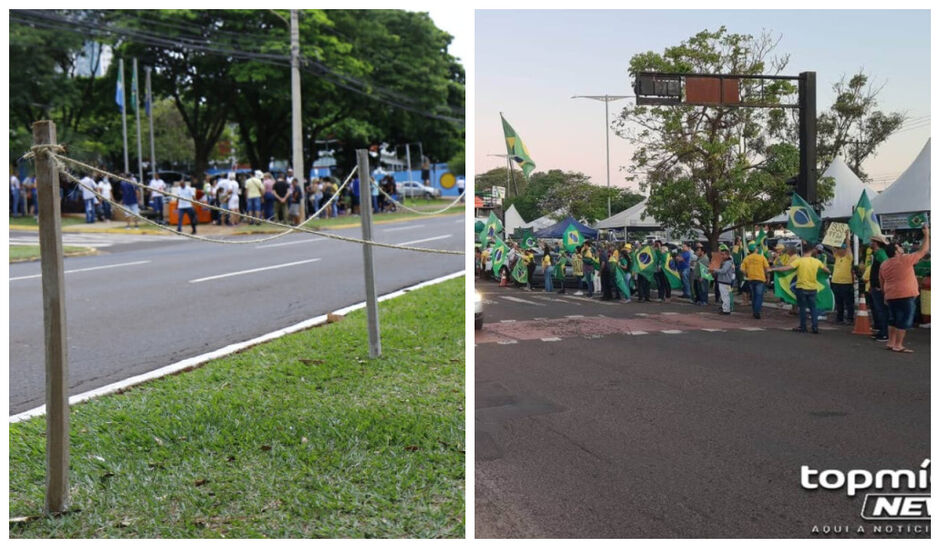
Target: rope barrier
[[51, 151], [419, 212]]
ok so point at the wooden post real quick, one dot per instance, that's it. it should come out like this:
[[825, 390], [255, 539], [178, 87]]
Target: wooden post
[[365, 212], [53, 308]]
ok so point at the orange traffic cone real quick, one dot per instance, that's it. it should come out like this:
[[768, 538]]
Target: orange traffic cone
[[862, 323], [504, 281]]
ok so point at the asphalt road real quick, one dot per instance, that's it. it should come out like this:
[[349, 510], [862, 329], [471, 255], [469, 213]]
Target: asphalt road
[[146, 303], [666, 420]]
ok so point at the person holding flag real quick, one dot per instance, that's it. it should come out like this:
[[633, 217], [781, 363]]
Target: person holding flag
[[577, 267], [528, 257], [700, 276], [661, 256], [587, 257], [843, 280], [622, 272], [900, 286], [807, 268], [559, 273]]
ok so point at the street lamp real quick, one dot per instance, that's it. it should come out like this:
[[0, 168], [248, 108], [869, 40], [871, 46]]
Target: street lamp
[[607, 99]]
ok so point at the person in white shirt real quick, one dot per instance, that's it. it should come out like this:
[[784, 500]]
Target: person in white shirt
[[184, 206], [156, 198], [104, 188], [234, 198], [16, 193], [88, 195]]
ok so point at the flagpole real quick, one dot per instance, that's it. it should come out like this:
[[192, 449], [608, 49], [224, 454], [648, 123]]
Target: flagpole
[[127, 168], [153, 156], [136, 93]]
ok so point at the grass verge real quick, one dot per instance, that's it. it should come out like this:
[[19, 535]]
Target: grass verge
[[300, 437], [28, 221], [23, 253]]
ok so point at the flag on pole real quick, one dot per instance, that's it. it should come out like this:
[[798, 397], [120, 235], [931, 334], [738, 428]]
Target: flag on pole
[[491, 230], [119, 88], [528, 239], [762, 243], [516, 149], [148, 98], [864, 223], [572, 238], [802, 220], [500, 255]]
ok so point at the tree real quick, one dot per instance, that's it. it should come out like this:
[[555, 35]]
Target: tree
[[708, 168], [851, 127]]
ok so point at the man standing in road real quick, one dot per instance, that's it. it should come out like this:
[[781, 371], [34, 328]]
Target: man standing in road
[[88, 196], [156, 197], [842, 284], [755, 267], [807, 267], [900, 291], [184, 206], [130, 202]]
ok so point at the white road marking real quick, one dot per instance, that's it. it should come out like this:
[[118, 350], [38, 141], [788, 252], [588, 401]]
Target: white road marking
[[670, 313], [282, 244], [409, 227], [192, 363], [671, 331], [639, 333], [518, 300], [641, 314], [510, 341], [240, 272], [752, 329], [551, 339], [710, 330], [83, 269], [574, 316], [539, 319], [441, 237], [507, 321]]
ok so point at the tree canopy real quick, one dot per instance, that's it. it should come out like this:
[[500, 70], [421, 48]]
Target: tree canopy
[[368, 76]]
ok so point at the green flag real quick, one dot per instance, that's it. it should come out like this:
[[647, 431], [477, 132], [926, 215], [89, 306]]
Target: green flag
[[571, 238], [802, 220], [644, 262], [672, 275], [560, 268], [703, 272], [520, 273], [516, 149], [785, 288], [762, 244], [864, 223], [500, 255], [491, 230], [917, 220], [528, 239], [620, 277]]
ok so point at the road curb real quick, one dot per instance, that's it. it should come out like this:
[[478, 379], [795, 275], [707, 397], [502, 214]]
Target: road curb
[[196, 361]]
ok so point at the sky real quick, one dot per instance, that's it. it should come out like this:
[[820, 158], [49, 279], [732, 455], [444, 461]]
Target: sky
[[530, 71]]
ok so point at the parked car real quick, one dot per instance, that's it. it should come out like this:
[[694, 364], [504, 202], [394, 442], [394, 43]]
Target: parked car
[[414, 189]]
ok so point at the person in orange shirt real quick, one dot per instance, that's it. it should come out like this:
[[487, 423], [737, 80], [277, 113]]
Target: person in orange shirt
[[755, 267], [900, 289]]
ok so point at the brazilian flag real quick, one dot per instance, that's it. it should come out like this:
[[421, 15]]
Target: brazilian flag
[[672, 275], [491, 230], [864, 223], [571, 239], [528, 239], [499, 255], [762, 244], [917, 220], [516, 149], [803, 221], [520, 273], [785, 288], [620, 277], [644, 263], [560, 265]]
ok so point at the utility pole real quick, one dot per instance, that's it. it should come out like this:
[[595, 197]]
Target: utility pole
[[53, 315], [607, 100], [365, 212], [296, 125]]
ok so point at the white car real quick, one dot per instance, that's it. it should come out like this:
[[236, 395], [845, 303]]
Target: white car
[[414, 189]]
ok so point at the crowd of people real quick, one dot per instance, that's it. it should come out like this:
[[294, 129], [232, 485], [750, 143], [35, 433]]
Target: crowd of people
[[244, 198], [889, 277]]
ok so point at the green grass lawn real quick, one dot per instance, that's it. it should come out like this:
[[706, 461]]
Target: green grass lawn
[[30, 221], [31, 252], [304, 436]]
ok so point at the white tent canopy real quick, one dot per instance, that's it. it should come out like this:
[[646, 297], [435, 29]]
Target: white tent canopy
[[631, 217], [848, 189], [910, 193], [513, 219], [545, 220]]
